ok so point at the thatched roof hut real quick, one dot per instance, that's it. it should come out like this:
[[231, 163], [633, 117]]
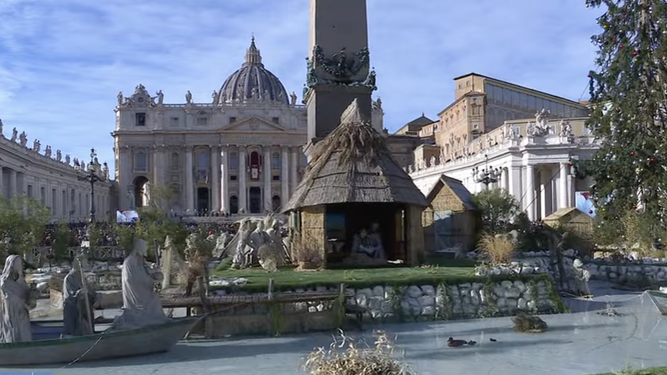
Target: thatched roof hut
[[353, 174]]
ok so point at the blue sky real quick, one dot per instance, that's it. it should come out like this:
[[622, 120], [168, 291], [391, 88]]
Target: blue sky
[[62, 62]]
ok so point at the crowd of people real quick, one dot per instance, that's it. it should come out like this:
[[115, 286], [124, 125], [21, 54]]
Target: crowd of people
[[77, 232]]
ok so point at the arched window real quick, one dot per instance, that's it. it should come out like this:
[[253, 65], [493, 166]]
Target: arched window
[[254, 158], [275, 160], [202, 159], [175, 161], [276, 203], [233, 161], [233, 204], [141, 162]]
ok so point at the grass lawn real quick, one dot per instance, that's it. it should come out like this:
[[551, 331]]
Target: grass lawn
[[447, 270]]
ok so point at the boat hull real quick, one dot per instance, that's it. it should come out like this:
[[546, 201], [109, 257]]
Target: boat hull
[[106, 345], [659, 299]]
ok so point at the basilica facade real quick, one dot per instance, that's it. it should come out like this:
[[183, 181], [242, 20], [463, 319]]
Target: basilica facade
[[241, 152]]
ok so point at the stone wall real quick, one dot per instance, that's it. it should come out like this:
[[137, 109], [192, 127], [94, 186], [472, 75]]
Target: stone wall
[[543, 264], [463, 300]]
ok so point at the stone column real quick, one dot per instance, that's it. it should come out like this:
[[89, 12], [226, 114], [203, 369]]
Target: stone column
[[530, 192], [545, 192], [189, 181], [2, 182], [12, 184], [215, 177], [284, 176], [161, 166], [224, 179], [514, 187], [125, 177], [267, 165], [562, 185], [294, 173], [571, 182], [243, 173]]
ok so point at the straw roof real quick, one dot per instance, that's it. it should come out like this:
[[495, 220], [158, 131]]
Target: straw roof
[[354, 165]]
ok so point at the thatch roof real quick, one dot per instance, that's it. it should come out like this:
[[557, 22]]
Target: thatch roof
[[353, 165], [457, 188]]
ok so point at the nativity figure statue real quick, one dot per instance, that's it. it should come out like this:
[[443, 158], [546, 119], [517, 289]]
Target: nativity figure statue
[[16, 301], [78, 314], [141, 304]]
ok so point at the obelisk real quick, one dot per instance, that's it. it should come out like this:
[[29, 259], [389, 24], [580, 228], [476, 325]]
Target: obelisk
[[338, 65]]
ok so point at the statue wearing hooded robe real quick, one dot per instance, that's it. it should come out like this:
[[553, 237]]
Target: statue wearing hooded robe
[[243, 251], [78, 313], [141, 304], [16, 301]]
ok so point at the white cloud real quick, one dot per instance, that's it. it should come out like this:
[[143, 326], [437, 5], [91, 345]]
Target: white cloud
[[62, 62]]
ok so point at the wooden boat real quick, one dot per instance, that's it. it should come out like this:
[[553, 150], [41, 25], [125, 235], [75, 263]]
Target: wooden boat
[[659, 299], [49, 348]]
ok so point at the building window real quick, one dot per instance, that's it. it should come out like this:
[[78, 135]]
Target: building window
[[233, 161], [276, 177], [276, 120], [54, 200], [232, 120], [202, 159], [140, 119], [275, 160], [175, 161], [42, 195], [30, 192], [141, 162], [202, 121], [64, 204], [233, 178], [174, 121]]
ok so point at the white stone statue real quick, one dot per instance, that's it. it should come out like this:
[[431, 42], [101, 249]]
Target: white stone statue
[[188, 97], [172, 264], [141, 304], [541, 127], [16, 300], [68, 159], [120, 98], [105, 170], [36, 145], [274, 252], [59, 155], [565, 128], [15, 134], [23, 139], [581, 277], [243, 252], [257, 238], [160, 97], [432, 162], [47, 151], [214, 96], [220, 244], [293, 98], [1, 126], [78, 314], [130, 200]]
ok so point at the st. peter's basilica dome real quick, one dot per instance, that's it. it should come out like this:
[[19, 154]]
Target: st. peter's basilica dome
[[252, 83]]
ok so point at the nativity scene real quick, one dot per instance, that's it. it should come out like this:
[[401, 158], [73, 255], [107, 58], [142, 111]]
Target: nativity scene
[[355, 201]]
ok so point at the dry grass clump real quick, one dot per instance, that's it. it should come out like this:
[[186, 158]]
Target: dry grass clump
[[528, 323], [497, 248], [376, 360], [306, 251]]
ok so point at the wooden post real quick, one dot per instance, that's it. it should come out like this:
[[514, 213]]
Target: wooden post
[[271, 289]]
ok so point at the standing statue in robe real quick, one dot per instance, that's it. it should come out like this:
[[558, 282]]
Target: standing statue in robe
[[141, 305], [78, 314], [16, 300], [243, 251]]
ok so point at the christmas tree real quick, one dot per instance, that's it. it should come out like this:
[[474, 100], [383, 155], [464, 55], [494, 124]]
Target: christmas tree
[[629, 112]]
